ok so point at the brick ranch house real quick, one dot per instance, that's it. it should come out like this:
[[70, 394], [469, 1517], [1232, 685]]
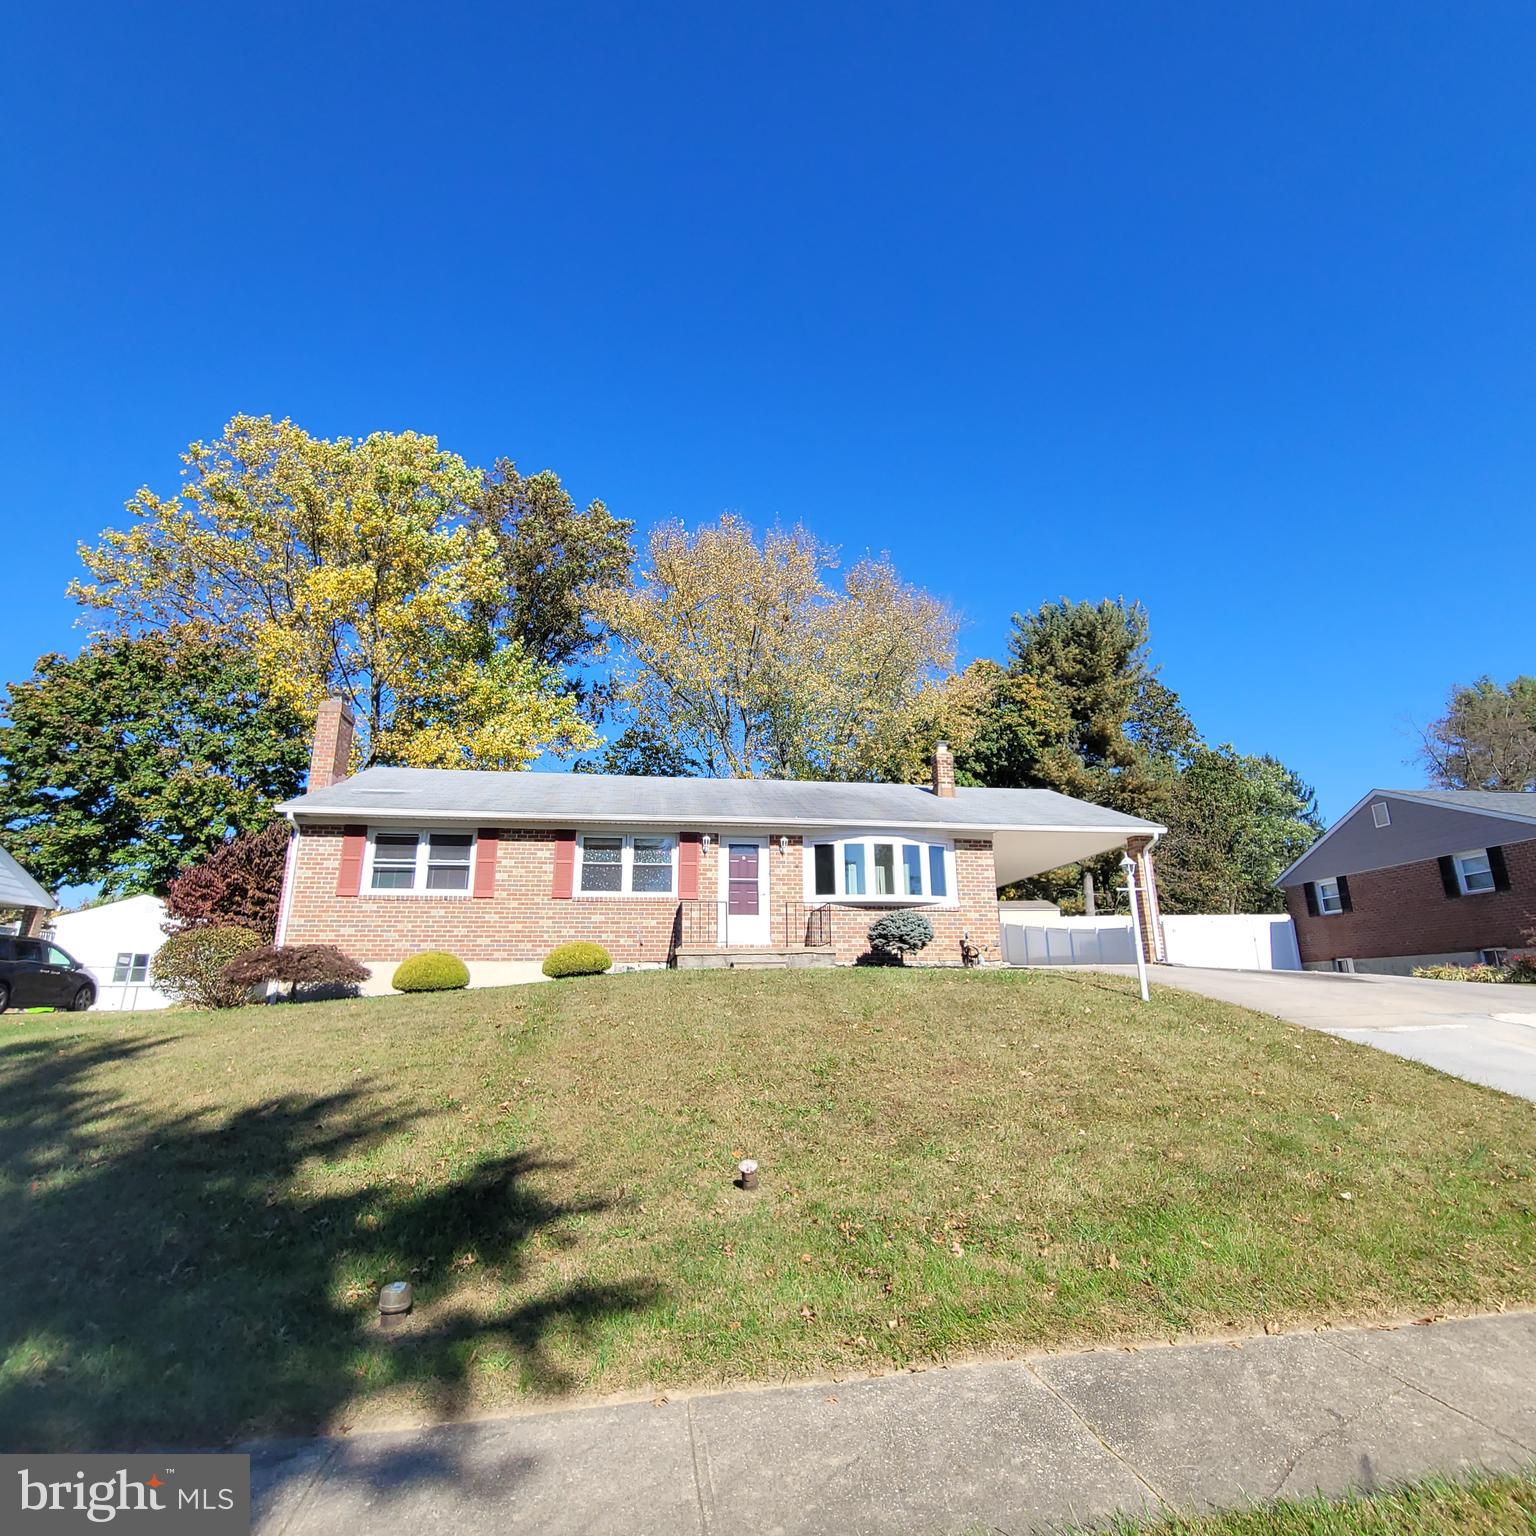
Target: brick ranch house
[[500, 867], [1417, 877]]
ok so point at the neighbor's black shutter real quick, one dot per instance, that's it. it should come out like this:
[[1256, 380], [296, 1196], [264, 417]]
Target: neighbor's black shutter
[[1311, 889], [1345, 904], [1499, 869], [1448, 876]]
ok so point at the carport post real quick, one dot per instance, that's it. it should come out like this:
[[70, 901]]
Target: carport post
[[1128, 864]]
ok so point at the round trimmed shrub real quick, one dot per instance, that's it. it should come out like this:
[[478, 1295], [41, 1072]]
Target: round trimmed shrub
[[900, 934], [578, 958], [433, 970], [190, 966]]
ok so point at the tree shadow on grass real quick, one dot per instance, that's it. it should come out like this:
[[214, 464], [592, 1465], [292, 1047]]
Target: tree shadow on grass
[[169, 1284]]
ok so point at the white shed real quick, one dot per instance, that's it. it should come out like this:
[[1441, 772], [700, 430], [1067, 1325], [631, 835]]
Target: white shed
[[116, 942]]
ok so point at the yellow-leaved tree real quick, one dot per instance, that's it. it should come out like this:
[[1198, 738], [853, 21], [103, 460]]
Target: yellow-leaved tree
[[740, 656], [361, 567]]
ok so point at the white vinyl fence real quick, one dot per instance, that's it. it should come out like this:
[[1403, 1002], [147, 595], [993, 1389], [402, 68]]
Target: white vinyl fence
[[1240, 942], [1037, 939]]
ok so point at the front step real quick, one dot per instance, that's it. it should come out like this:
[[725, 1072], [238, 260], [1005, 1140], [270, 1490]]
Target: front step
[[701, 958]]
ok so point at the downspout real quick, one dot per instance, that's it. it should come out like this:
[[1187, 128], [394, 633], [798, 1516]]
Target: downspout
[[285, 903]]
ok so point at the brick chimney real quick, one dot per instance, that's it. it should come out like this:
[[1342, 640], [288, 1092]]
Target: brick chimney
[[330, 759], [943, 771]]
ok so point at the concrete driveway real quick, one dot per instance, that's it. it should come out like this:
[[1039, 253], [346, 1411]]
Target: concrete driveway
[[1483, 1032]]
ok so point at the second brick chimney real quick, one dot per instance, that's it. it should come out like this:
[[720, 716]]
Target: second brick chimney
[[330, 759], [943, 771]]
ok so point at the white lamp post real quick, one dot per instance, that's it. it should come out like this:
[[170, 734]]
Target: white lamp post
[[1128, 864]]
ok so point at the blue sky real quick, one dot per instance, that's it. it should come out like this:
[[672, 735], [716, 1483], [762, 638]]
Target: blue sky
[[1228, 308]]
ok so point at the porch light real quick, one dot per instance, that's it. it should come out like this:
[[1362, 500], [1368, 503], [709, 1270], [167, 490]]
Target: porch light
[[704, 842], [747, 1167], [783, 843]]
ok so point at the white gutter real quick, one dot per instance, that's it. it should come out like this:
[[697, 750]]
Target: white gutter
[[373, 813]]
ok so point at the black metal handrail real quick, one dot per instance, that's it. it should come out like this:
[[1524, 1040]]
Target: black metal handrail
[[807, 925]]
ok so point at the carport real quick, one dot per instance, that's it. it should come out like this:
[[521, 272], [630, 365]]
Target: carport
[[19, 890]]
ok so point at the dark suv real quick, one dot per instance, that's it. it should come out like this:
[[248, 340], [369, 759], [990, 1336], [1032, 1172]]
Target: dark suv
[[37, 974]]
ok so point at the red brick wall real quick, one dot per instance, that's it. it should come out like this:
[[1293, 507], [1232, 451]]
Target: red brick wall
[[1405, 911], [523, 922]]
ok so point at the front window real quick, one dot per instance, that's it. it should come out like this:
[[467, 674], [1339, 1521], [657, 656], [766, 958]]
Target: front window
[[642, 865], [1328, 898], [427, 863], [394, 861], [448, 856], [130, 968], [651, 869], [879, 869], [853, 869], [1474, 871], [825, 866]]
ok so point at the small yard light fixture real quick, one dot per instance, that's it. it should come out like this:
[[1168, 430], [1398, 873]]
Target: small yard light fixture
[[747, 1167], [395, 1303]]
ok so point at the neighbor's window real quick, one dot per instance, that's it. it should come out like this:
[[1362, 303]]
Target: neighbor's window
[[436, 862], [1380, 815], [879, 868], [641, 865], [130, 968], [1328, 898], [1474, 871]]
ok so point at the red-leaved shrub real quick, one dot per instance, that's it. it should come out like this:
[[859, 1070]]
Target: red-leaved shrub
[[237, 885]]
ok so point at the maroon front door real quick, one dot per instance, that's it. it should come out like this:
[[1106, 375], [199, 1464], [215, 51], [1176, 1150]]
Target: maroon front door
[[746, 922], [743, 879]]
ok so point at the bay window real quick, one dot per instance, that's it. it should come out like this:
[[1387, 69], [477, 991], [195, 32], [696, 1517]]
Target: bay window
[[878, 868]]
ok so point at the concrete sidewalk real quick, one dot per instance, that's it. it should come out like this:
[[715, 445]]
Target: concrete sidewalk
[[1015, 1445]]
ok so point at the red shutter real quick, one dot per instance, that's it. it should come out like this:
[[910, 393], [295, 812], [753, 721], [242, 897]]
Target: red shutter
[[349, 878], [486, 840], [688, 867], [565, 865]]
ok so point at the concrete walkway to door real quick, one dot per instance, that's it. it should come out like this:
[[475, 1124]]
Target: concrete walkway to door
[[1018, 1445], [1485, 1032]]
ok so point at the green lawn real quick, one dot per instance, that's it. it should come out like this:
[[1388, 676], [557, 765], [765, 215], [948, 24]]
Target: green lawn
[[1474, 1506], [197, 1209]]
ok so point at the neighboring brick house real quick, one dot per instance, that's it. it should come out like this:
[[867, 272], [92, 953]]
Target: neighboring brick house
[[1417, 877], [501, 867]]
